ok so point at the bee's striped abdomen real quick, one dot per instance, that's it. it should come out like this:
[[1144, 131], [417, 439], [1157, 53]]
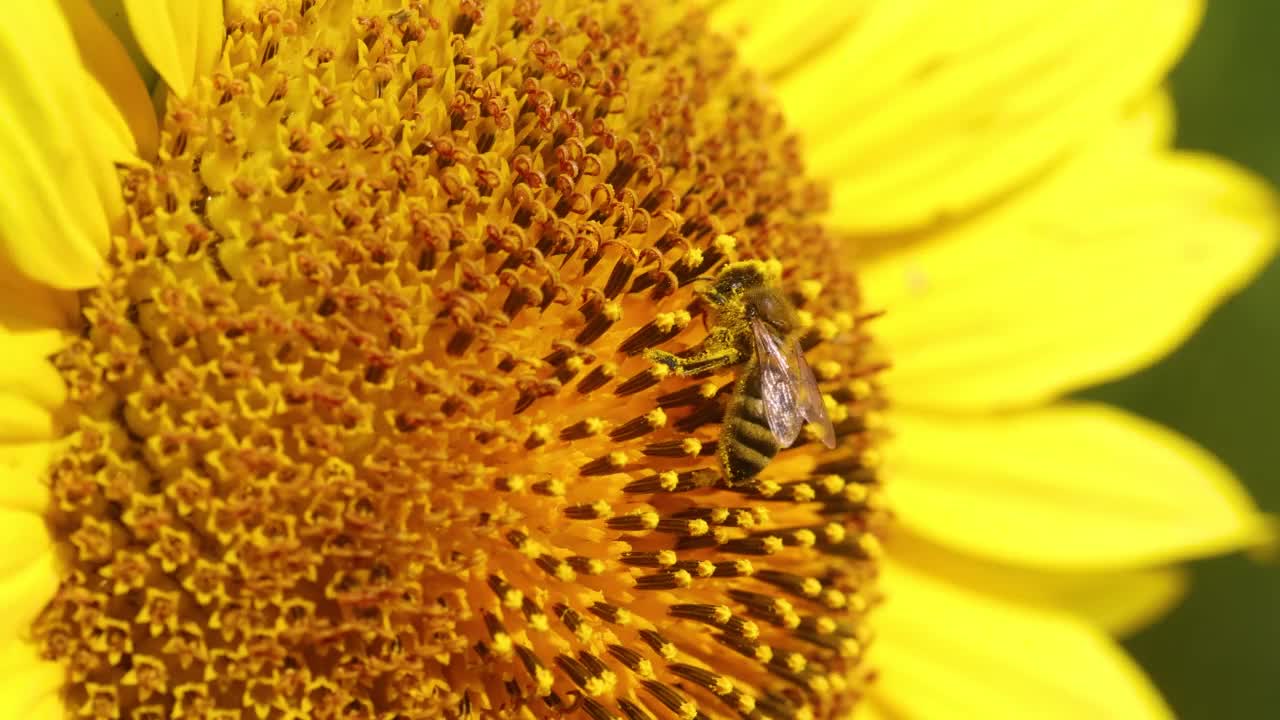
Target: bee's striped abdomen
[[746, 442]]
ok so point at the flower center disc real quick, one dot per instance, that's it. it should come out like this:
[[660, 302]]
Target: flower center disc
[[361, 422]]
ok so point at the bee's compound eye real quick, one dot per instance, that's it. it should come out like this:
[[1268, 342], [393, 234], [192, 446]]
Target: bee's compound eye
[[774, 310]]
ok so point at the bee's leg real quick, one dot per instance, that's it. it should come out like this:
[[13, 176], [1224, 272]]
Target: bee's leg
[[704, 362]]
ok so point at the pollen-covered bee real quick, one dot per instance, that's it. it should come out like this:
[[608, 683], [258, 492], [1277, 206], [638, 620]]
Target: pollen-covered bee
[[753, 323]]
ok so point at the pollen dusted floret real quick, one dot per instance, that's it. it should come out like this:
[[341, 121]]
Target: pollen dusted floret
[[361, 420]]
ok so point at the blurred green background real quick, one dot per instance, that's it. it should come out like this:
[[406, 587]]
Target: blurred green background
[[1218, 655]]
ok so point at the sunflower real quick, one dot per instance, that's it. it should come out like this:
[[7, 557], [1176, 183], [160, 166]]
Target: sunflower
[[331, 390]]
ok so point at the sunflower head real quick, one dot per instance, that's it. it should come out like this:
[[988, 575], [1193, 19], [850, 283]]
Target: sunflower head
[[362, 420]]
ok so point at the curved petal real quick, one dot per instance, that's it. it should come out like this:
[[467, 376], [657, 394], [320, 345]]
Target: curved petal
[[29, 686], [1095, 272], [927, 109], [777, 37], [119, 96], [31, 390], [57, 186], [22, 467], [945, 651], [1119, 602], [1079, 486], [26, 587], [180, 38]]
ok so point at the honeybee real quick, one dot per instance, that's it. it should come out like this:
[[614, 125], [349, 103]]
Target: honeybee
[[776, 392]]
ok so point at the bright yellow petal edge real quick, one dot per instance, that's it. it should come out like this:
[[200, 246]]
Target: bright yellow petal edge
[[919, 596], [950, 651]]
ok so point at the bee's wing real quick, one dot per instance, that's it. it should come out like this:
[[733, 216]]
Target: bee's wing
[[777, 383], [809, 397]]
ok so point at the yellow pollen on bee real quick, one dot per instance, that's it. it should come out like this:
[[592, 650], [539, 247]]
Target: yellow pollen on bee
[[773, 269], [660, 370]]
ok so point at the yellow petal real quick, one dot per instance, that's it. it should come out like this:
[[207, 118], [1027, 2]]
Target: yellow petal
[[24, 420], [25, 589], [945, 651], [1124, 603], [29, 686], [926, 109], [1080, 486], [1096, 272], [57, 186], [31, 390], [1119, 602], [773, 38], [210, 34], [34, 313], [23, 467], [128, 121], [180, 38]]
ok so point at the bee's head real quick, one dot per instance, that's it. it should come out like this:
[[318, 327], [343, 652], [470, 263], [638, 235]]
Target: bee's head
[[735, 279], [769, 305]]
